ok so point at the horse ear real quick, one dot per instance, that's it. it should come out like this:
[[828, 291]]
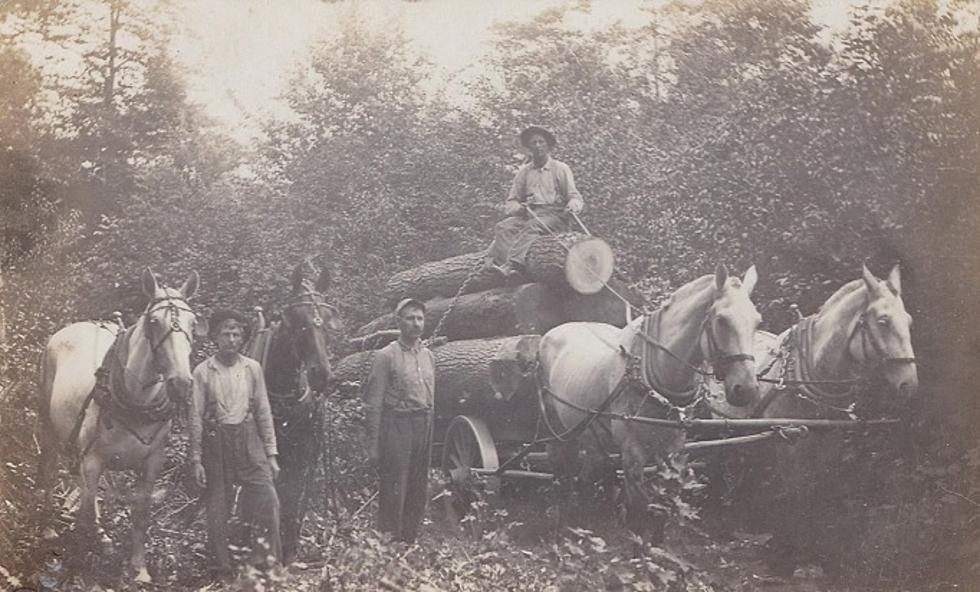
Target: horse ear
[[872, 283], [721, 276], [148, 281], [748, 282], [297, 278], [323, 281], [895, 280], [190, 284]]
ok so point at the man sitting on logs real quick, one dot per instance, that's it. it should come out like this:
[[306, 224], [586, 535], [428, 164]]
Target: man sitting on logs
[[542, 198]]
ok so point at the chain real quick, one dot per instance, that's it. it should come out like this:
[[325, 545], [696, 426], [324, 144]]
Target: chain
[[452, 305]]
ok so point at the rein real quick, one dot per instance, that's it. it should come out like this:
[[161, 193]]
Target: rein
[[313, 299], [174, 309], [639, 372], [110, 386], [717, 361], [795, 351]]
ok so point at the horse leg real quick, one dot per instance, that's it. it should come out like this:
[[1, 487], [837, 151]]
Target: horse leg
[[643, 520], [48, 443], [290, 488], [141, 512], [90, 470], [563, 457]]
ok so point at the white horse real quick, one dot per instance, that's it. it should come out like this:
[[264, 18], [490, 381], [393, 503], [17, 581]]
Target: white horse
[[817, 369], [587, 366], [124, 422]]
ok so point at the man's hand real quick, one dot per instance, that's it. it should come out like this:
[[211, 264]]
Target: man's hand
[[511, 207], [274, 465], [197, 471], [575, 206]]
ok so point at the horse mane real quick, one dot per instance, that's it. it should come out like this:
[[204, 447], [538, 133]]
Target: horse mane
[[840, 294], [689, 288], [305, 285]]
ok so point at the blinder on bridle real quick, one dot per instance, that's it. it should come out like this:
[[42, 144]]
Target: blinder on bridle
[[863, 328], [720, 362], [310, 298], [173, 305]]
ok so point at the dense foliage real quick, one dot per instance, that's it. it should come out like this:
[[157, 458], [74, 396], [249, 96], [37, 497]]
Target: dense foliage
[[724, 131]]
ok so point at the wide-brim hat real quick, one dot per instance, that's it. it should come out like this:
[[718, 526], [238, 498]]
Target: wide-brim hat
[[220, 316], [409, 302], [532, 130]]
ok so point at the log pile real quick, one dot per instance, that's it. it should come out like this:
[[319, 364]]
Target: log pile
[[489, 333]]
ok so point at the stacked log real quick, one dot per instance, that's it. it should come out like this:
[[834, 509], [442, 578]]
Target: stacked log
[[492, 328], [472, 373], [548, 260], [526, 309], [443, 278]]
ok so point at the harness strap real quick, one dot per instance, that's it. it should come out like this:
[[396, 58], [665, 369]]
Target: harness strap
[[795, 354], [591, 414], [648, 376]]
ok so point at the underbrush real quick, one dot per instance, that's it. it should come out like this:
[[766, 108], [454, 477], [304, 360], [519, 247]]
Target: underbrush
[[920, 529]]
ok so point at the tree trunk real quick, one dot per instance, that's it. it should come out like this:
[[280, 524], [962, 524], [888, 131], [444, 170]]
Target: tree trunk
[[349, 374], [548, 257], [444, 277], [526, 309], [548, 261], [471, 375]]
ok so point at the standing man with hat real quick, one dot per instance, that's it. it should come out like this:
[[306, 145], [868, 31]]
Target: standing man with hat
[[544, 186], [233, 441], [398, 398]]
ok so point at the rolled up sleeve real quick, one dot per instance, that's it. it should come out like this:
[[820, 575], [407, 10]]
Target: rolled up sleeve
[[567, 186], [263, 412], [374, 396], [518, 187], [196, 413]]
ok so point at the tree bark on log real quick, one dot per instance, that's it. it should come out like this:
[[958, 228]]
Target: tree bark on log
[[443, 278], [547, 257], [547, 261], [470, 374], [526, 309], [349, 374]]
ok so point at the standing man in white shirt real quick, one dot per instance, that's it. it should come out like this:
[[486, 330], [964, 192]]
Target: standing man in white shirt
[[545, 186], [233, 441]]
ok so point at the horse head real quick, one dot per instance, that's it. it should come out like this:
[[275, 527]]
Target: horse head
[[727, 338], [167, 326], [311, 322], [882, 337]]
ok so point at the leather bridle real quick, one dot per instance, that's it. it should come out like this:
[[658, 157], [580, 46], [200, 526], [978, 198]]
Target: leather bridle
[[173, 305]]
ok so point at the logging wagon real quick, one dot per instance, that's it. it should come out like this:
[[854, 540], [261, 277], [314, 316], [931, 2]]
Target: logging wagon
[[484, 330]]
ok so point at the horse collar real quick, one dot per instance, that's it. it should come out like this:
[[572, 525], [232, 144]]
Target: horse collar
[[646, 365], [796, 374]]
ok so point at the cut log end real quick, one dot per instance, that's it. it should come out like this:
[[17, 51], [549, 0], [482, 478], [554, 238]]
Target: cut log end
[[589, 265]]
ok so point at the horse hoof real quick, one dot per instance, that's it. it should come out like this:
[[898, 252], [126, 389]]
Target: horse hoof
[[143, 577]]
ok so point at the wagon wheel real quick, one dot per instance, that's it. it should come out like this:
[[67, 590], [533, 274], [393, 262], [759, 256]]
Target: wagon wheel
[[468, 445]]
